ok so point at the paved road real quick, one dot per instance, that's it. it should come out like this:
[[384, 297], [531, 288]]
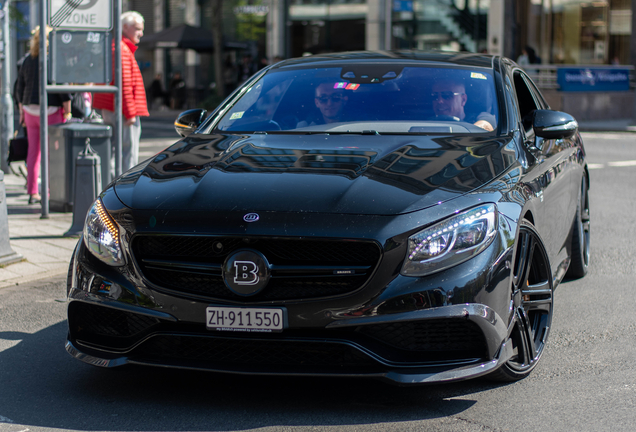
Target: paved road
[[585, 382]]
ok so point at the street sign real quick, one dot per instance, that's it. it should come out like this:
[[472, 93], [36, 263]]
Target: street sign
[[81, 14], [402, 6], [593, 79], [80, 57]]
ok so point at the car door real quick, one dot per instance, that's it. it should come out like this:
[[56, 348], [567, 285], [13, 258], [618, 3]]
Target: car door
[[550, 172]]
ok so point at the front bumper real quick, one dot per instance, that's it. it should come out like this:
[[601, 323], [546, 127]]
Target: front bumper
[[402, 376], [107, 336], [398, 329]]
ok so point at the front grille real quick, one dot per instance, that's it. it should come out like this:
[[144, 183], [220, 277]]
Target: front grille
[[192, 265], [458, 336], [240, 353]]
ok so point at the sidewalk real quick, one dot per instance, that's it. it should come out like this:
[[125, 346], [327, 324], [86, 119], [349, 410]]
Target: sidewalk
[[41, 242], [47, 252]]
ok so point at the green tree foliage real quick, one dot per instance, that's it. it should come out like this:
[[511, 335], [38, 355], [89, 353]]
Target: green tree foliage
[[250, 19]]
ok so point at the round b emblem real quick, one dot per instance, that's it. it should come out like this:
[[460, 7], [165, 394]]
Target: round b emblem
[[246, 272]]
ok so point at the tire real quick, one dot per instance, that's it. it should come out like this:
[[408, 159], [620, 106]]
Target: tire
[[580, 245], [532, 300]]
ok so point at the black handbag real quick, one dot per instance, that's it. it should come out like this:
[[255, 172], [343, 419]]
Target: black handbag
[[18, 148]]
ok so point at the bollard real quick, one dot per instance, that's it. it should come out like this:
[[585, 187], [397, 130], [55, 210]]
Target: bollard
[[7, 255], [88, 185]]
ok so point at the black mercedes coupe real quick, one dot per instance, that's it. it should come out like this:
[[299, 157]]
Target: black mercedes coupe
[[399, 215]]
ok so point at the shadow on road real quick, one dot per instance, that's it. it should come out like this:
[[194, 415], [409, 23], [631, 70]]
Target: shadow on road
[[42, 386]]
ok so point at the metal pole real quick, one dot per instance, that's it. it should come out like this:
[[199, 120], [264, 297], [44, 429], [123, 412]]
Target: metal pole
[[119, 130], [7, 102], [476, 30], [44, 124], [388, 23]]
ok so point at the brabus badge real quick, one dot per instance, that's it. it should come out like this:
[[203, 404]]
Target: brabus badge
[[251, 217]]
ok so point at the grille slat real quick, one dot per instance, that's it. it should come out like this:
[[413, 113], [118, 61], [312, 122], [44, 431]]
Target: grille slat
[[308, 258]]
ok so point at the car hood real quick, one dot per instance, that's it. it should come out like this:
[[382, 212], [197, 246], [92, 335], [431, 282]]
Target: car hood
[[318, 173]]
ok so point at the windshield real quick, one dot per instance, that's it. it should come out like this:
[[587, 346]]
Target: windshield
[[372, 98]]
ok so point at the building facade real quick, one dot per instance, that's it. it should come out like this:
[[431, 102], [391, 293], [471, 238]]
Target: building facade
[[560, 32]]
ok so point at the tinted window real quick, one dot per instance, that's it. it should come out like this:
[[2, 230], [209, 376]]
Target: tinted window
[[527, 103], [385, 98]]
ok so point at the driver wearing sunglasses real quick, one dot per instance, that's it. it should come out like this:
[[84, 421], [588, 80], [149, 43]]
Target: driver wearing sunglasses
[[449, 99], [330, 102]]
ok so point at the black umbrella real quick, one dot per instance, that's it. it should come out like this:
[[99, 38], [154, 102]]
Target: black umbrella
[[185, 36]]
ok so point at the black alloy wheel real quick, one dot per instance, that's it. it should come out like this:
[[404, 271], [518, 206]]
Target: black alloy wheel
[[532, 304], [580, 246]]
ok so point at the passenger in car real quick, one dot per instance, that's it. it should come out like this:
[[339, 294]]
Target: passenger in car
[[449, 99], [331, 102]]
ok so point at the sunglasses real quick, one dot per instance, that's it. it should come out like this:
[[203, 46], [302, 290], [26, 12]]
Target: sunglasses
[[335, 98], [446, 95]]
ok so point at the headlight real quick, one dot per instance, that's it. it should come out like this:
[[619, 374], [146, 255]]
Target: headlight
[[451, 241], [101, 235]]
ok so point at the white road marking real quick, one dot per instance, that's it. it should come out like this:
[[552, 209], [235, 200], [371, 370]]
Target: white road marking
[[617, 164], [5, 420], [605, 135], [622, 163]]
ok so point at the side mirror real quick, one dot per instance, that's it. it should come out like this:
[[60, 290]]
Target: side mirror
[[553, 124], [189, 121]]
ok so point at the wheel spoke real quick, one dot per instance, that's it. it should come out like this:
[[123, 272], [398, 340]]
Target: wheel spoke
[[537, 297], [526, 248], [526, 349]]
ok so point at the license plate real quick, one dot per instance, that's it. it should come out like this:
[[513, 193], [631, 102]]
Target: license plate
[[244, 319]]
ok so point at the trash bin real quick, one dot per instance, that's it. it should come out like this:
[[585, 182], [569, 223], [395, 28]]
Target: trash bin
[[66, 141]]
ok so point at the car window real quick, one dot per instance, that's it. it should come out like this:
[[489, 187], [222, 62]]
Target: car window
[[526, 102], [537, 94], [379, 98]]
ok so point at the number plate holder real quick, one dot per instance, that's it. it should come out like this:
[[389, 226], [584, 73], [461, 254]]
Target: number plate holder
[[245, 319]]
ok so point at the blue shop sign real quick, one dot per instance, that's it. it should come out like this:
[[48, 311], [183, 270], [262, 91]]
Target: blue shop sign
[[590, 79], [402, 6]]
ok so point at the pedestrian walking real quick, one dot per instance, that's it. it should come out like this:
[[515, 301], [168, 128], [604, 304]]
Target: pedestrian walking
[[177, 91], [28, 95], [134, 104], [156, 95]]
